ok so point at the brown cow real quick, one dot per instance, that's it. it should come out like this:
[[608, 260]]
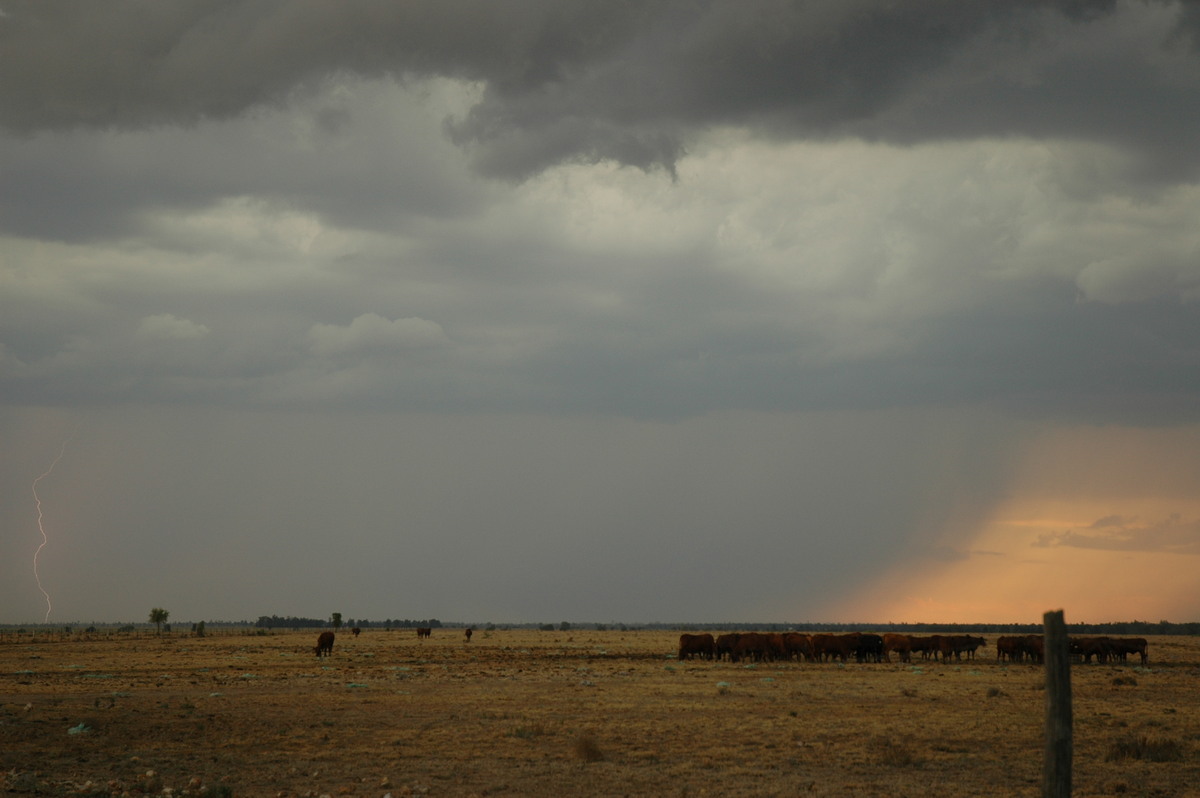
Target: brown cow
[[752, 646], [1009, 648], [798, 645], [1130, 645], [830, 647], [927, 646], [356, 631], [725, 645], [423, 631], [702, 646], [469, 631], [901, 644], [324, 644]]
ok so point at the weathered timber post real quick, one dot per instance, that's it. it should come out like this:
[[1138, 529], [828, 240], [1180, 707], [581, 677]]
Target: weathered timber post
[[1056, 773]]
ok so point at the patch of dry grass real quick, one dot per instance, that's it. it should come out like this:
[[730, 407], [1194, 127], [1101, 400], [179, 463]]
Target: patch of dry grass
[[1149, 749], [511, 713]]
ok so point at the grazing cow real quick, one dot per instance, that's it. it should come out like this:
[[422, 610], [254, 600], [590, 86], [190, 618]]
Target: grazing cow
[[1034, 647], [356, 631], [702, 646], [324, 644], [901, 644], [1130, 645], [830, 647], [868, 648], [469, 631], [926, 646], [725, 645], [956, 644], [423, 632], [1087, 647], [751, 646], [774, 646], [797, 645], [1009, 648]]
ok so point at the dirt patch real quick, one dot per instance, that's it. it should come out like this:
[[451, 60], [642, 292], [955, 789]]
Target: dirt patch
[[554, 713]]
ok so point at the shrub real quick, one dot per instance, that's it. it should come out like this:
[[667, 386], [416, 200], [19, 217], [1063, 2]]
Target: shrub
[[586, 749], [1149, 749], [893, 754]]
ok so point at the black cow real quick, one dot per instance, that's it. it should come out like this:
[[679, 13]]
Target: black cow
[[702, 646], [325, 644]]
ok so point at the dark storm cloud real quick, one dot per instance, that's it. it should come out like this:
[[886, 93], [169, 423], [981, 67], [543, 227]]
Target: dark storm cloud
[[628, 81]]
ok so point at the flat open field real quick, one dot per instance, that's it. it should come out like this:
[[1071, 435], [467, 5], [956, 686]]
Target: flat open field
[[568, 713]]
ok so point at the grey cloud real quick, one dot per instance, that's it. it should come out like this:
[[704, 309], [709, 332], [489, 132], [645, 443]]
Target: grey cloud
[[166, 326], [371, 332], [593, 81], [1173, 535]]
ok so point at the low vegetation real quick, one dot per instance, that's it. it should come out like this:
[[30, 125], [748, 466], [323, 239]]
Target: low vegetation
[[563, 711]]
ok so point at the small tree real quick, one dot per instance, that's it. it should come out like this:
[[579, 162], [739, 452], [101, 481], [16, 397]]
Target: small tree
[[336, 620], [158, 616]]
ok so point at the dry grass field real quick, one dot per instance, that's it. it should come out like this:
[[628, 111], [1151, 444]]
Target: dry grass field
[[529, 712]]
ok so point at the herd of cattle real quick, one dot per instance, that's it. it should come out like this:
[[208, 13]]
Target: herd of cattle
[[865, 647], [869, 647], [325, 640]]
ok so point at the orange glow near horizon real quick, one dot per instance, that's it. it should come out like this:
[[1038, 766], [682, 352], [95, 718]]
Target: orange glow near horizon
[[1103, 523]]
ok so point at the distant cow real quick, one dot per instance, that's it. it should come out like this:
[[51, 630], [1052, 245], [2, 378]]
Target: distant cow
[[356, 631], [324, 644], [468, 632], [957, 645], [423, 631], [702, 646], [1016, 649]]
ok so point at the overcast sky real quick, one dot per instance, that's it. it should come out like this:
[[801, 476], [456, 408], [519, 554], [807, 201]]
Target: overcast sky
[[598, 311]]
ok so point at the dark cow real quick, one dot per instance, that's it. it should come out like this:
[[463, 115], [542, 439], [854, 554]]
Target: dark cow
[[1087, 647], [831, 647], [324, 644], [926, 646], [725, 645], [868, 648], [702, 646], [423, 632], [468, 632], [1033, 646], [1009, 648], [956, 645], [798, 646], [356, 631], [1123, 646]]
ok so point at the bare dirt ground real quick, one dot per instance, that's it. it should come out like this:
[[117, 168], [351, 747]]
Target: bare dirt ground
[[567, 713]]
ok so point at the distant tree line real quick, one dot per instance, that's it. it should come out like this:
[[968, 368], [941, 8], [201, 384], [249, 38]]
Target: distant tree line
[[293, 622]]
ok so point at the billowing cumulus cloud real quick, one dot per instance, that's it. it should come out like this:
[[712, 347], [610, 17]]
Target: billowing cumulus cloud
[[752, 305]]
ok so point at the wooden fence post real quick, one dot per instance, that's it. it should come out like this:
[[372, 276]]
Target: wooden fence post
[[1056, 774]]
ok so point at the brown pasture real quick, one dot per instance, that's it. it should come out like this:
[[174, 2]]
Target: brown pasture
[[527, 712]]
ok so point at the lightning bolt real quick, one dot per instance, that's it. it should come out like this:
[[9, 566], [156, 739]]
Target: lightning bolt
[[41, 528]]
